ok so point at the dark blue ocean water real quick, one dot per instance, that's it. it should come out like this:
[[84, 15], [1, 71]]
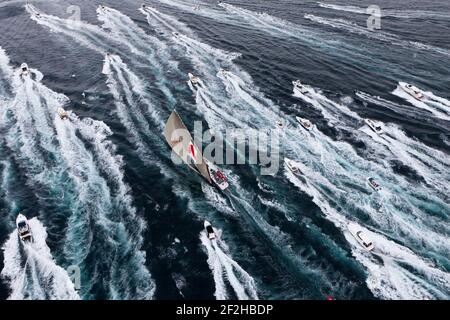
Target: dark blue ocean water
[[115, 205]]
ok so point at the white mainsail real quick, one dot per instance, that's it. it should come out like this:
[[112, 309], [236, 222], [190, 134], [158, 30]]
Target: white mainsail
[[180, 140]]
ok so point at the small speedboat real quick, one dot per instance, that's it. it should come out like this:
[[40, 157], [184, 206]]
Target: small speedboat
[[23, 228], [374, 184], [196, 8], [62, 113], [224, 72], [24, 71], [299, 87], [279, 124], [305, 123], [210, 230], [293, 167], [411, 90], [360, 236], [176, 34], [195, 81], [375, 126]]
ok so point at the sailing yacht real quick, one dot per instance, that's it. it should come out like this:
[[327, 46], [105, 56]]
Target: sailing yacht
[[180, 140]]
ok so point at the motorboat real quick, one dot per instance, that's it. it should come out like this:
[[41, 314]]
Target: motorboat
[[299, 87], [224, 72], [210, 230], [176, 35], [374, 125], [195, 81], [293, 167], [305, 123], [412, 90], [196, 8], [24, 70], [358, 233], [23, 228], [62, 113], [279, 124], [374, 184]]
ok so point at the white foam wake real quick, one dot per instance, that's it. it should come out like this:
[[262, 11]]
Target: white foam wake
[[382, 36], [389, 279], [397, 13], [31, 270], [226, 270], [430, 106]]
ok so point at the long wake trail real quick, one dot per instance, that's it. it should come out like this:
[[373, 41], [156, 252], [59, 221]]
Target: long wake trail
[[227, 271], [84, 186], [32, 272], [341, 157]]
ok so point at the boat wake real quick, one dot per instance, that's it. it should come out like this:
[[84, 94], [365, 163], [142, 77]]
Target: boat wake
[[388, 276], [438, 107], [390, 147], [402, 14], [78, 178], [227, 273], [382, 36], [32, 272]]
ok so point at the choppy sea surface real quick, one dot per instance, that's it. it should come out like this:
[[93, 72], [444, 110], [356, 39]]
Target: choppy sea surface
[[105, 199]]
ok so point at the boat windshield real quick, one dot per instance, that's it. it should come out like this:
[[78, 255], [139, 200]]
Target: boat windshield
[[367, 245], [210, 229], [22, 225], [378, 128], [24, 68]]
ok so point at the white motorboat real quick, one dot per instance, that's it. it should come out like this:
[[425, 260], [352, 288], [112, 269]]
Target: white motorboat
[[176, 35], [24, 71], [374, 125], [358, 233], [210, 230], [305, 123], [411, 90], [195, 81], [23, 228], [224, 72], [374, 184], [62, 113], [299, 87], [293, 167]]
